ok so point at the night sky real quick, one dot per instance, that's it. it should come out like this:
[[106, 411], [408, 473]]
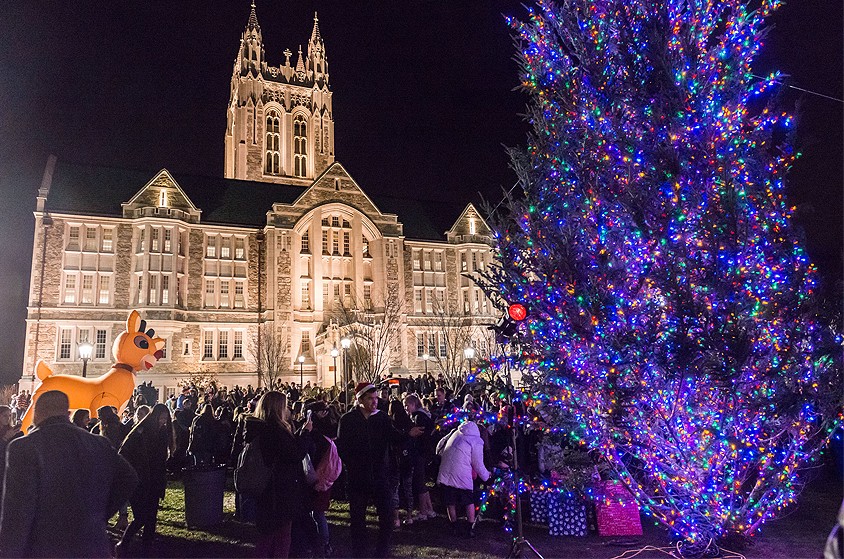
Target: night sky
[[423, 102]]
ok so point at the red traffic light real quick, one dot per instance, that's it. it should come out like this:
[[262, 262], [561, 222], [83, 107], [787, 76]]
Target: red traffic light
[[517, 312]]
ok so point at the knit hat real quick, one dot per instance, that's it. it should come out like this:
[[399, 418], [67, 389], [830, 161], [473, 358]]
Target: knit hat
[[362, 388]]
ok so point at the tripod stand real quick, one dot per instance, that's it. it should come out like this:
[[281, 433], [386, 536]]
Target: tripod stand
[[520, 542]]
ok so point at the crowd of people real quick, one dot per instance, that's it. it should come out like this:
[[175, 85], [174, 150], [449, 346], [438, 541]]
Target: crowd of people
[[390, 444]]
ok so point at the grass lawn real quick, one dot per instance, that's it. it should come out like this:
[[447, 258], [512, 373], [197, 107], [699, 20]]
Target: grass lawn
[[799, 536]]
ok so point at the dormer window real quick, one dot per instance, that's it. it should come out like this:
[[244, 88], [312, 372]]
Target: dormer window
[[472, 226], [162, 199]]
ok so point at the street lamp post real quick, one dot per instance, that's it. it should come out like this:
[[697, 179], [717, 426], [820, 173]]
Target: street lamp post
[[346, 343], [334, 354], [425, 358], [469, 353], [301, 372], [85, 349]]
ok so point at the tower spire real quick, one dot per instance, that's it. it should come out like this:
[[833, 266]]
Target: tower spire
[[300, 65], [253, 19], [315, 36]]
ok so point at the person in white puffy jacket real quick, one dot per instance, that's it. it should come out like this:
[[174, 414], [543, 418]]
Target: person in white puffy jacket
[[462, 455]]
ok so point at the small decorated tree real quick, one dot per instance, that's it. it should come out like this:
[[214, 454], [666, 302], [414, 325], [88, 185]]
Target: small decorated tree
[[672, 309]]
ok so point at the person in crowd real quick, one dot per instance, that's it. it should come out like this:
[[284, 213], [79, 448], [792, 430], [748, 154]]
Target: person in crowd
[[81, 418], [441, 407], [384, 399], [203, 436], [322, 434], [284, 500], [462, 454], [171, 404], [53, 506], [110, 426], [8, 432], [400, 465], [147, 448], [183, 420], [363, 440], [420, 453]]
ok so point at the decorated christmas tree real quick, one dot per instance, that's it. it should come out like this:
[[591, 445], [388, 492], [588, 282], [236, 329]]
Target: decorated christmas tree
[[672, 309]]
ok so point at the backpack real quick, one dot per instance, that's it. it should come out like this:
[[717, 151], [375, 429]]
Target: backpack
[[252, 474], [329, 468]]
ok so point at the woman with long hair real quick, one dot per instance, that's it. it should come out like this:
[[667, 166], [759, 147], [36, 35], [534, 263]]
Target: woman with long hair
[[284, 500], [146, 448]]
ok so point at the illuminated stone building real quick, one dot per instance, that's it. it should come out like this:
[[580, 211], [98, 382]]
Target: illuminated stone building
[[287, 240]]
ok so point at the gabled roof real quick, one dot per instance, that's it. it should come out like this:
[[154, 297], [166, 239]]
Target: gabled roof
[[101, 191]]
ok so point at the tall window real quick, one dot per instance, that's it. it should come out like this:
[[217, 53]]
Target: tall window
[[108, 235], [73, 238], [240, 248], [208, 346], [165, 290], [238, 295], [153, 290], [365, 246], [306, 343], [87, 289], [226, 247], [100, 345], [306, 242], [223, 345], [64, 344], [70, 289], [209, 293], [300, 146], [237, 350], [90, 239], [224, 294], [346, 243], [420, 344], [325, 242], [104, 281], [272, 154], [168, 240], [306, 296]]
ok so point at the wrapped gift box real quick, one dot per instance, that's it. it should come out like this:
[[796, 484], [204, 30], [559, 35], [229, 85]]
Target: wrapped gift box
[[539, 507], [617, 511], [566, 514]]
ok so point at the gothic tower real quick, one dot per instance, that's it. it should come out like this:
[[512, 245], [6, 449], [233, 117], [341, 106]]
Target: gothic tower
[[280, 124]]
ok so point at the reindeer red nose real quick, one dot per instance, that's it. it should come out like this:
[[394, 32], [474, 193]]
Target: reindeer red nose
[[158, 354]]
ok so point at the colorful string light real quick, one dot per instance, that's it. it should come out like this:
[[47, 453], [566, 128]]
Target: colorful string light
[[673, 323]]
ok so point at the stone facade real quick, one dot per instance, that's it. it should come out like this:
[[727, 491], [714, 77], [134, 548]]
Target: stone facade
[[205, 285]]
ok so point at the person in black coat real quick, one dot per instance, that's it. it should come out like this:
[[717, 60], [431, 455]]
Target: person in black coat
[[62, 485], [363, 442], [203, 436], [420, 453], [147, 447], [285, 499]]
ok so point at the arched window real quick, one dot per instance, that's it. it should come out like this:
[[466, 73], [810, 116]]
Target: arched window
[[300, 146], [272, 163]]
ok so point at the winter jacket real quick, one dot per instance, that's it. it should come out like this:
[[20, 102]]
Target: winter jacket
[[364, 446], [285, 498], [62, 486], [462, 453], [147, 453]]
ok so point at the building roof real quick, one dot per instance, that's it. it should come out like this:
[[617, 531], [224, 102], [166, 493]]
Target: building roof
[[100, 191]]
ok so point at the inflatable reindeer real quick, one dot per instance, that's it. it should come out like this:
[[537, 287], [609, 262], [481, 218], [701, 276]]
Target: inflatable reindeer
[[135, 349]]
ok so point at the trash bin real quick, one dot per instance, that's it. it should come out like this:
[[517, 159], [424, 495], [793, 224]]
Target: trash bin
[[204, 488]]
